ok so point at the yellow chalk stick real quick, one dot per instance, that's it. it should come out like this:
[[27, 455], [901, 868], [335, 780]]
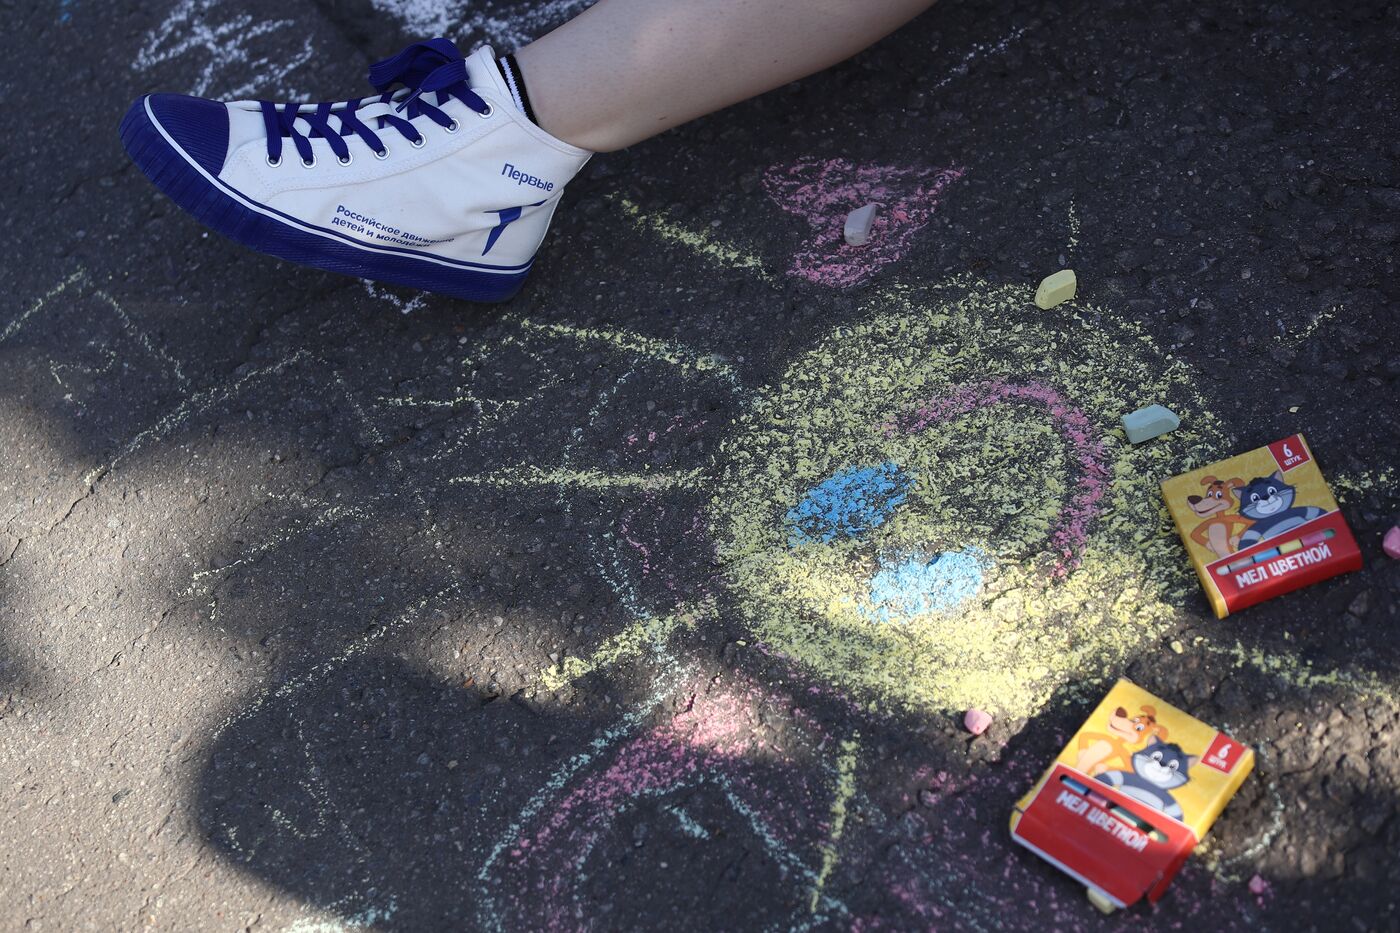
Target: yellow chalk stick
[[1055, 289], [1291, 546], [1101, 900]]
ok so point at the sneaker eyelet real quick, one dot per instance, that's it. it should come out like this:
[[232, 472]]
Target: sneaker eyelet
[[418, 143], [485, 114], [309, 163], [347, 159], [452, 127], [382, 154], [274, 162]]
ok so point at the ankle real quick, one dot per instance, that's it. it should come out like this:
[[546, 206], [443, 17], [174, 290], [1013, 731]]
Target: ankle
[[561, 114]]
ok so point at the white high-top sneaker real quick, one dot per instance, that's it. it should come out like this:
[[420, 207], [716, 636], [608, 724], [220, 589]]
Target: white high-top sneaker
[[442, 185]]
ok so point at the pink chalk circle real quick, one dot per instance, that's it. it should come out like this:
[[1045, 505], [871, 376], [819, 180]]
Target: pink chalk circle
[[1392, 542], [1087, 453], [977, 721]]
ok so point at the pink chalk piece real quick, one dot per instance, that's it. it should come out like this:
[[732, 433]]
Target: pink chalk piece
[[977, 721], [1258, 885], [824, 192], [1392, 542]]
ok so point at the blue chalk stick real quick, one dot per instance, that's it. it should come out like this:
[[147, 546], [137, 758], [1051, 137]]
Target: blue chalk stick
[[1147, 423]]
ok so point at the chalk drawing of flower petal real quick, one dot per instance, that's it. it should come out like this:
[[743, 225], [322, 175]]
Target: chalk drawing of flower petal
[[823, 192]]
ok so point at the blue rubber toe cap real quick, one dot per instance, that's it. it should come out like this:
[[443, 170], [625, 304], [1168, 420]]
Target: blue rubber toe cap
[[199, 126]]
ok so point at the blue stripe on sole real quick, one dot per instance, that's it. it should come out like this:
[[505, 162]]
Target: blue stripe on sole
[[196, 195]]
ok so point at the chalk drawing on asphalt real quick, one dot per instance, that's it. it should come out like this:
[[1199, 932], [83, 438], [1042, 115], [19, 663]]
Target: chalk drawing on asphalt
[[504, 25], [236, 53], [823, 192], [533, 875], [1048, 506], [80, 284], [978, 52]]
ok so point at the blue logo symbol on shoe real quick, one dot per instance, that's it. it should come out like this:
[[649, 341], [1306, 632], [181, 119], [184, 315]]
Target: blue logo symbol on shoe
[[507, 216]]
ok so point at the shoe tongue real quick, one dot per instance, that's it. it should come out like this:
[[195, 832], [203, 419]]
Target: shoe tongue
[[482, 71]]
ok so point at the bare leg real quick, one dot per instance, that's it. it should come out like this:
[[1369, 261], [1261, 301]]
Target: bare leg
[[625, 70]]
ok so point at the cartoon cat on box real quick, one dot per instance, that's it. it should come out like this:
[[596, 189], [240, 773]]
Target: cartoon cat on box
[[1267, 501], [1158, 769], [1097, 750]]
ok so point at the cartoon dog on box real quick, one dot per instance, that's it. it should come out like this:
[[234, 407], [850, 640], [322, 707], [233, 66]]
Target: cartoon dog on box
[[1099, 751], [1221, 530]]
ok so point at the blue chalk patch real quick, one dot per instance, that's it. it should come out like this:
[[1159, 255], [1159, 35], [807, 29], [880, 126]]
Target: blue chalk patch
[[915, 584], [848, 504]]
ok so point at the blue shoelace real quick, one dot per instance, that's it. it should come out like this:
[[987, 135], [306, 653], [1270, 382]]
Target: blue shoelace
[[434, 66]]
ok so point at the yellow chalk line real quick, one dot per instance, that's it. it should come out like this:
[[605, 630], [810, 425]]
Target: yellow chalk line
[[194, 404], [676, 354], [527, 475], [704, 245], [38, 305], [845, 789], [465, 398], [1301, 674], [279, 537], [1317, 320], [85, 281], [645, 634]]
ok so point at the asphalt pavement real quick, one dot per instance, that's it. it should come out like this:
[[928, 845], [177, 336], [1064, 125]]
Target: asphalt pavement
[[326, 606]]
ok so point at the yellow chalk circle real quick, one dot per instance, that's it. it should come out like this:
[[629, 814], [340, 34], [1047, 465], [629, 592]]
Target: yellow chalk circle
[[973, 561]]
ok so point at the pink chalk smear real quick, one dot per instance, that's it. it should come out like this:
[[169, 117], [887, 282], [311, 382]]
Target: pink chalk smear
[[823, 192], [711, 739]]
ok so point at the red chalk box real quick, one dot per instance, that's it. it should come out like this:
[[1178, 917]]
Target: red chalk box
[[1081, 836], [1260, 524], [1180, 773]]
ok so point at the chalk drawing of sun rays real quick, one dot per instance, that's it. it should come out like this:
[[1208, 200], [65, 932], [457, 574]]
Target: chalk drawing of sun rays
[[930, 509], [981, 535], [1013, 543], [1023, 480]]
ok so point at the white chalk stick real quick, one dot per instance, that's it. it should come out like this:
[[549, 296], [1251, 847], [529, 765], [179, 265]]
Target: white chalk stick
[[859, 222]]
